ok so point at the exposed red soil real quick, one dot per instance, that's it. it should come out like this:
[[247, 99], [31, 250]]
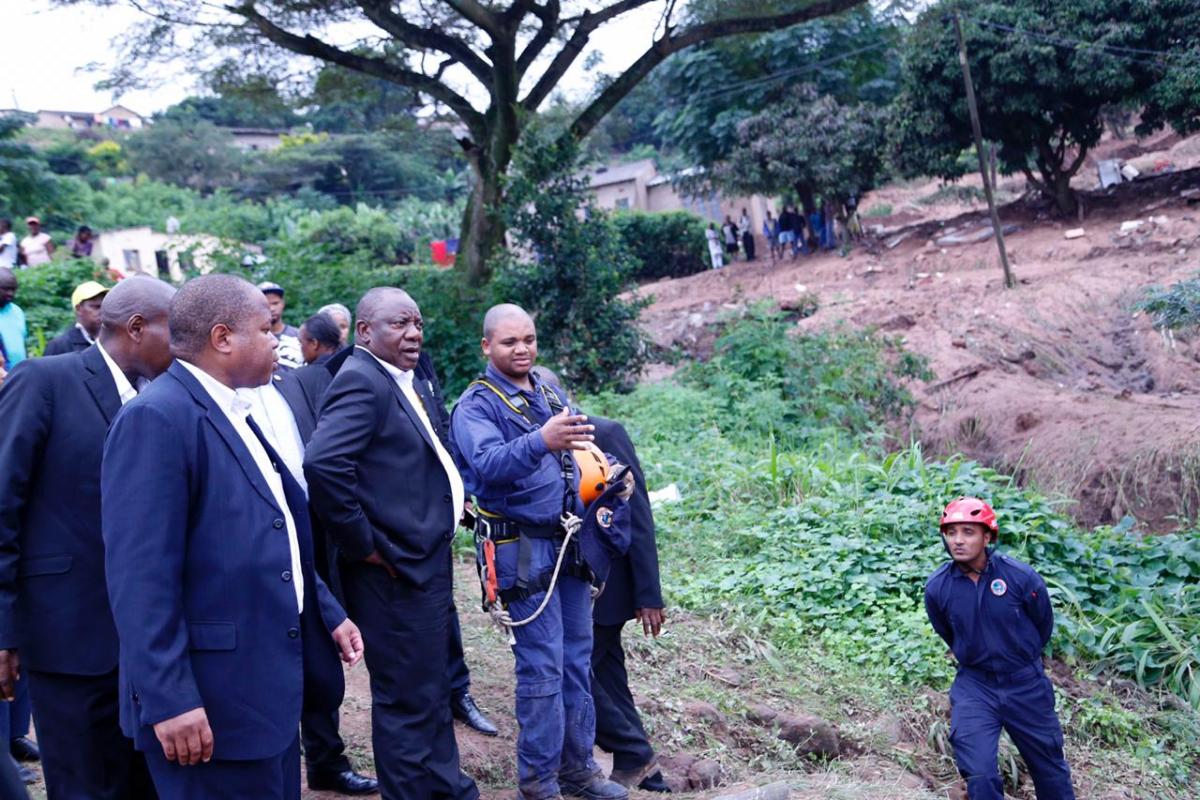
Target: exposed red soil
[[1059, 380]]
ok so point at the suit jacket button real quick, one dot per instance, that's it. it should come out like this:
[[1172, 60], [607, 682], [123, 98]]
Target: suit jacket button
[[277, 524], [293, 633], [445, 498], [286, 575]]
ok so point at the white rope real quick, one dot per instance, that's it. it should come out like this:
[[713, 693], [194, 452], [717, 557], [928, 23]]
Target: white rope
[[571, 524]]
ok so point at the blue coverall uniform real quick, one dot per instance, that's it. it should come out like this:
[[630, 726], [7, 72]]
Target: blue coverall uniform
[[506, 465], [997, 628]]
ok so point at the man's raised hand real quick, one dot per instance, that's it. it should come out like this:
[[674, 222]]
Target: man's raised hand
[[567, 431]]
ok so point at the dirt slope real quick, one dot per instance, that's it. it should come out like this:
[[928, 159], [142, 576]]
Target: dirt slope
[[1058, 380]]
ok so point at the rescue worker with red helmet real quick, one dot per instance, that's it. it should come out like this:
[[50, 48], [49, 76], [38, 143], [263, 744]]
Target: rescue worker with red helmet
[[995, 614]]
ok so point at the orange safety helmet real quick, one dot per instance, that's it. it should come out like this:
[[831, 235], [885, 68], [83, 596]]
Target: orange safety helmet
[[970, 509], [592, 466]]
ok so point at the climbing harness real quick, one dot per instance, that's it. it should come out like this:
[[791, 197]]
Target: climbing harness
[[492, 531]]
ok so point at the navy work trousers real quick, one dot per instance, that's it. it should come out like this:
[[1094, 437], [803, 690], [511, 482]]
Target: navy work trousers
[[1022, 703], [553, 659]]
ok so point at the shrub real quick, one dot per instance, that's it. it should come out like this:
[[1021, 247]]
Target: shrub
[[800, 385], [1176, 306], [667, 244], [44, 294], [572, 271]]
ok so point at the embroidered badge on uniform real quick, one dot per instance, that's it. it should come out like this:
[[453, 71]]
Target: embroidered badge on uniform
[[604, 517], [999, 587]]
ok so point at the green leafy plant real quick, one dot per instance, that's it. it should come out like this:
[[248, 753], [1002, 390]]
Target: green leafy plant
[[667, 244]]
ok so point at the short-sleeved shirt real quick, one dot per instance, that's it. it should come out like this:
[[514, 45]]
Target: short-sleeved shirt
[[13, 332], [35, 249], [290, 354], [8, 256], [1000, 623]]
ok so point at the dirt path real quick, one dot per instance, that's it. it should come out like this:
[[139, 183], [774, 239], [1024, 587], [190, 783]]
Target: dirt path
[[1059, 381]]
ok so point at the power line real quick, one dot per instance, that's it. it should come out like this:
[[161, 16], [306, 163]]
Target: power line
[[1117, 51]]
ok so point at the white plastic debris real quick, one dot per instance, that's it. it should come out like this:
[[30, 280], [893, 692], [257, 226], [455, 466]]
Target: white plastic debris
[[667, 494]]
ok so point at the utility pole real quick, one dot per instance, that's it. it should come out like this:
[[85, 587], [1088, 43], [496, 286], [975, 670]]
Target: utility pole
[[1009, 281]]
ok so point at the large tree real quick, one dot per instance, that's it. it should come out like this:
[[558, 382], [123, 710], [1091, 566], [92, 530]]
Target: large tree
[[1045, 72], [808, 145], [492, 64]]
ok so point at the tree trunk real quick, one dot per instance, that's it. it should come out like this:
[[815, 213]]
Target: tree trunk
[[483, 227], [1064, 195]]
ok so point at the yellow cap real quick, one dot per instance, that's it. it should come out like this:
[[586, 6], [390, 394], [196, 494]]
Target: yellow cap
[[87, 291]]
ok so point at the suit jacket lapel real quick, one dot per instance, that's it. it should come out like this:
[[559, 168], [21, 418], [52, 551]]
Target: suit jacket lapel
[[225, 429], [100, 384], [404, 404]]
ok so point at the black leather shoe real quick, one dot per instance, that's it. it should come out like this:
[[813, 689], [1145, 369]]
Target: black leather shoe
[[24, 749], [348, 782], [463, 708], [655, 783]]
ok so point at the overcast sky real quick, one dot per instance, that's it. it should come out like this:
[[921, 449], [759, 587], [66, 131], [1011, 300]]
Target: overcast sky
[[44, 49]]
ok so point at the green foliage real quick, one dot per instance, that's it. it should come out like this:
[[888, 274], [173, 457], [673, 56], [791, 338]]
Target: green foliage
[[808, 144], [574, 268], [826, 539], [1040, 101], [234, 109], [1176, 307], [25, 183], [666, 244], [879, 210], [107, 158], [186, 152], [707, 91], [44, 295], [802, 385]]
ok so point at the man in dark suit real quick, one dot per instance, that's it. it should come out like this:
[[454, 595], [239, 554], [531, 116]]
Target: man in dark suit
[[385, 487], [631, 592], [224, 627], [312, 381], [86, 300], [55, 623]]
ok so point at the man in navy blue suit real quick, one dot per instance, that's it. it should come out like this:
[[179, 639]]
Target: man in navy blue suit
[[55, 625], [225, 629]]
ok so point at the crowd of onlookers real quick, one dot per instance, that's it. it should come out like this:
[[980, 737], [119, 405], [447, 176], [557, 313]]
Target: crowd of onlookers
[[824, 228]]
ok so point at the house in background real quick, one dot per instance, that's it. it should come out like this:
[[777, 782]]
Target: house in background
[[638, 186], [118, 117], [256, 139], [133, 251]]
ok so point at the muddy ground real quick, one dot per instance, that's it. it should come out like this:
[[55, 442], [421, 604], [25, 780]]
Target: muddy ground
[[1059, 380]]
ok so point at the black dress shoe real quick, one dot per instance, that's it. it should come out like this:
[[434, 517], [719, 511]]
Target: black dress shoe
[[24, 749], [655, 783], [463, 708], [348, 782]]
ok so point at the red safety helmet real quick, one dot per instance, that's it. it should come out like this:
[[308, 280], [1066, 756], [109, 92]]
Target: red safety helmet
[[970, 509]]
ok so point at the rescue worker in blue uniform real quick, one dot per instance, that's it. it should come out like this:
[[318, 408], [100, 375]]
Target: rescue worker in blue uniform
[[995, 614], [511, 443]]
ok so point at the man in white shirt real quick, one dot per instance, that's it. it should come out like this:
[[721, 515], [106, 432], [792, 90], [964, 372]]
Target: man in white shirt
[[8, 244], [37, 246]]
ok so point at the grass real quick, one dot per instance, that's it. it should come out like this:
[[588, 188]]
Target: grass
[[802, 525]]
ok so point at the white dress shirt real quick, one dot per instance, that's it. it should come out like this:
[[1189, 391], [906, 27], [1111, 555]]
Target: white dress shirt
[[404, 379], [277, 422], [237, 409], [125, 389]]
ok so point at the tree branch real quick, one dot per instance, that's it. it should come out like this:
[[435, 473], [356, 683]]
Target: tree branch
[[478, 15], [548, 15], [585, 25], [380, 13], [695, 34], [310, 45]]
